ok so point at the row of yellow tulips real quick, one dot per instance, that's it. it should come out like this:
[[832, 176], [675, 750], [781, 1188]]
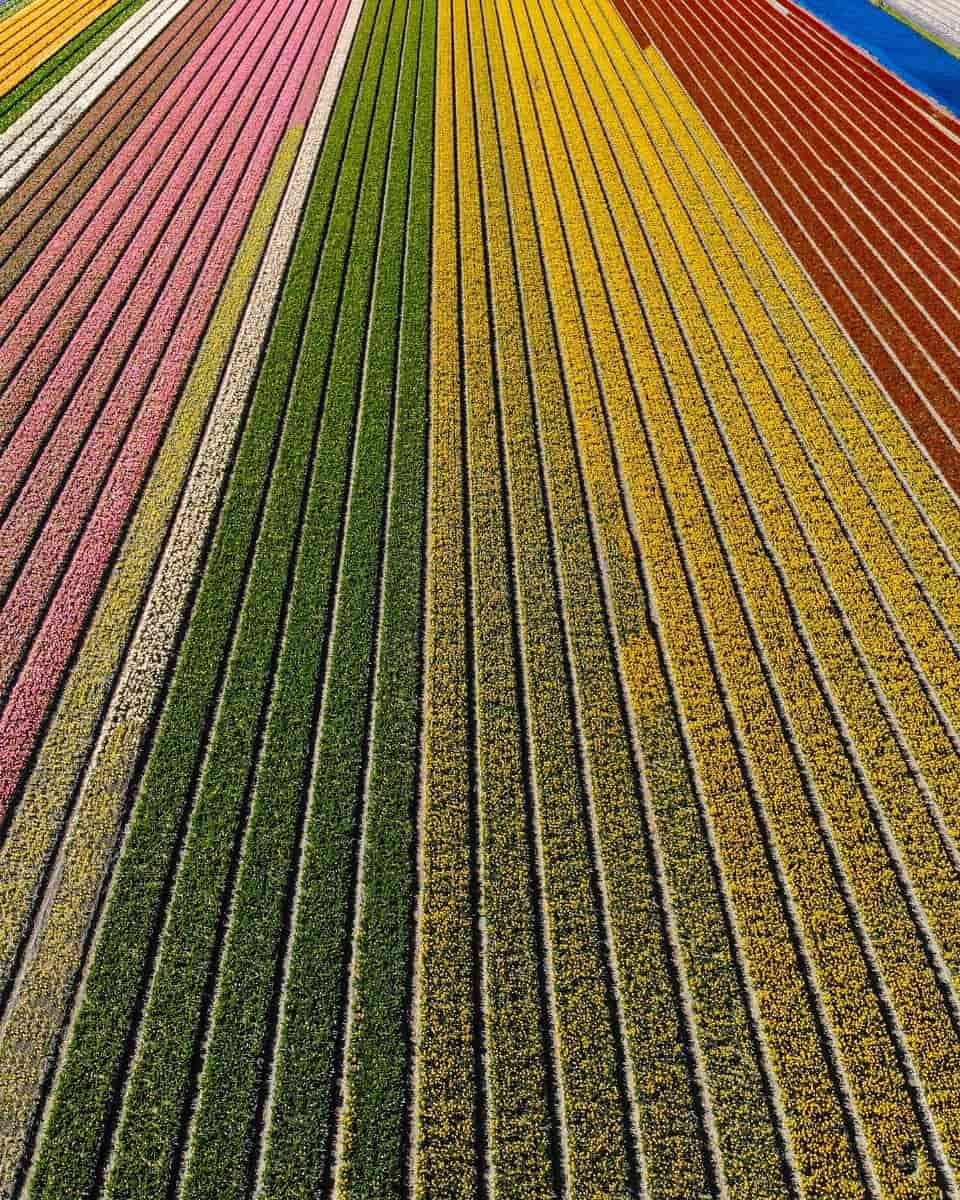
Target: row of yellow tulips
[[653, 197], [669, 1147]]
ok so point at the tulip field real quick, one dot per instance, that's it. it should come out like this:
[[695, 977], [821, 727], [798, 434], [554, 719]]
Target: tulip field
[[479, 601]]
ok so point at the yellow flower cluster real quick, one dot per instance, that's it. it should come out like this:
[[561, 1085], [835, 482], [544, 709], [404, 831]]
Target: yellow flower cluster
[[517, 1078], [881, 463], [901, 948], [583, 1043], [793, 1032], [770, 551], [447, 1084], [668, 1133], [765, 734], [696, 293], [608, 800], [33, 35]]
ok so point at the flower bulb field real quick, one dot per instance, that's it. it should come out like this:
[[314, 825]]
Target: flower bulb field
[[479, 600]]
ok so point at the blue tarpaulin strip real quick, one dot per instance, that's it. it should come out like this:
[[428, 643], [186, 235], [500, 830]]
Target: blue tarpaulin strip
[[908, 53]]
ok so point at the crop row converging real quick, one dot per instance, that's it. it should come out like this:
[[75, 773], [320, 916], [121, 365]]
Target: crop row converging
[[479, 607]]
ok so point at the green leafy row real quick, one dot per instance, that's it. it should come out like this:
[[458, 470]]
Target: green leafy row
[[374, 1116], [332, 617], [278, 653]]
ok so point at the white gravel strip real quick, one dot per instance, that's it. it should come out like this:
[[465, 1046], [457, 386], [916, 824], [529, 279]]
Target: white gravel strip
[[940, 17], [30, 137]]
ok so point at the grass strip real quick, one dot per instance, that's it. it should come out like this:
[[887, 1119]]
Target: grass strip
[[344, 506], [69, 1151], [16, 102], [312, 1014]]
